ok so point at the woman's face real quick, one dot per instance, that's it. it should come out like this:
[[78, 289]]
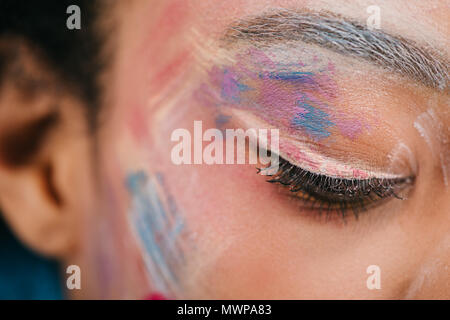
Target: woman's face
[[357, 119]]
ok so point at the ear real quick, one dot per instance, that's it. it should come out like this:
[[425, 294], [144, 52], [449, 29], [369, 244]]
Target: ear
[[43, 136]]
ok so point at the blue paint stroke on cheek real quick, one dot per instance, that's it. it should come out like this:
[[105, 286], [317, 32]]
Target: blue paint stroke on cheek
[[314, 121], [158, 225]]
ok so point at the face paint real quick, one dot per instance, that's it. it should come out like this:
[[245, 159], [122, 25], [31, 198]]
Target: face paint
[[313, 121], [350, 127], [432, 130], [401, 158], [221, 120], [294, 97], [160, 230], [308, 158]]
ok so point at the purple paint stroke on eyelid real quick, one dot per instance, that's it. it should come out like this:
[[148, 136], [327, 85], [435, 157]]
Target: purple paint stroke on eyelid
[[257, 58], [273, 102], [260, 58], [324, 85], [281, 96], [350, 127], [320, 83], [281, 103], [250, 74], [232, 87]]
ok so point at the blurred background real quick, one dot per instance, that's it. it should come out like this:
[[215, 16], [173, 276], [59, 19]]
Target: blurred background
[[24, 274]]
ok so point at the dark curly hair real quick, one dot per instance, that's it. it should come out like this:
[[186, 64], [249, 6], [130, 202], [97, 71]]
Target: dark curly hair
[[73, 54]]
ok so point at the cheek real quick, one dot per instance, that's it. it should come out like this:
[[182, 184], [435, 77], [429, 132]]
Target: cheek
[[250, 242], [248, 239], [247, 244], [231, 226]]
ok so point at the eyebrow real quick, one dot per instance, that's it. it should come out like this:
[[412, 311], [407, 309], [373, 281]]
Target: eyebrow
[[346, 37]]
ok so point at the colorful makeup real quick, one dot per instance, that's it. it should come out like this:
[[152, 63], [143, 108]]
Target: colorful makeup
[[432, 130], [267, 90], [308, 155], [296, 97], [160, 230], [312, 120], [318, 134]]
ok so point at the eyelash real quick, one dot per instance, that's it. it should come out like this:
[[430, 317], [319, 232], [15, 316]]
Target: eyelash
[[333, 195]]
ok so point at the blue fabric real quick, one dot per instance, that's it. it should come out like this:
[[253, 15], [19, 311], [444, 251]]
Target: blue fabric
[[23, 274]]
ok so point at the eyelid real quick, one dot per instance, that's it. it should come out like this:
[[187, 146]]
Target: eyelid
[[299, 153]]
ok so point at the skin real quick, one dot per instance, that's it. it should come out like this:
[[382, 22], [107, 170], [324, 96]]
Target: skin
[[243, 238]]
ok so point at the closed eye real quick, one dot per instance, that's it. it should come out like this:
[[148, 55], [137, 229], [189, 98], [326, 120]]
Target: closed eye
[[334, 195]]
